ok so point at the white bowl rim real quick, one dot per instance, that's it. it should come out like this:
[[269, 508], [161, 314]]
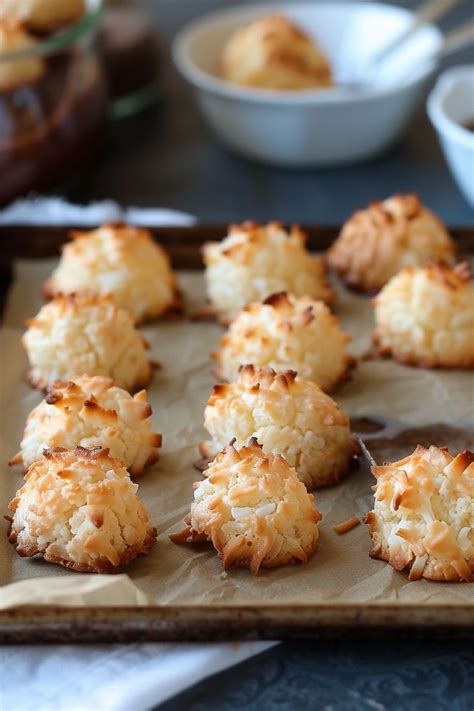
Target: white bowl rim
[[440, 119], [207, 82]]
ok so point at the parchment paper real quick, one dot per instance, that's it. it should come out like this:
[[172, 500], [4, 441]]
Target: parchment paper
[[340, 571]]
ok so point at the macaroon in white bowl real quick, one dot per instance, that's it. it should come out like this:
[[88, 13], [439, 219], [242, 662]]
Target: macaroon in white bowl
[[451, 110], [314, 127]]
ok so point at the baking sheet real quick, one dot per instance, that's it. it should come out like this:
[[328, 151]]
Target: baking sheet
[[339, 572]]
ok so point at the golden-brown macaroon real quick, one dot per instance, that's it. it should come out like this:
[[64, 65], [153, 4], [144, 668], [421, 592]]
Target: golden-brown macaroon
[[80, 509], [43, 16], [425, 316], [255, 261], [123, 262], [286, 333], [254, 509], [286, 415], [377, 242], [423, 516], [22, 71], [85, 334], [273, 52], [91, 411]]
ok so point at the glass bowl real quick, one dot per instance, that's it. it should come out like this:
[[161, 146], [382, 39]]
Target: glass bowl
[[130, 48], [50, 124]]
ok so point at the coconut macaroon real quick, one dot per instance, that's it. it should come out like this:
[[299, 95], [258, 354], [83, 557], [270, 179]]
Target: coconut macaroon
[[377, 242], [423, 517], [123, 262], [85, 334], [286, 415], [22, 71], [286, 333], [273, 52], [255, 261], [91, 411], [43, 16], [80, 509], [254, 509], [425, 316]]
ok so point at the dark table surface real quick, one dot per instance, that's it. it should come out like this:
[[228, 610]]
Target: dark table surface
[[341, 676], [168, 157]]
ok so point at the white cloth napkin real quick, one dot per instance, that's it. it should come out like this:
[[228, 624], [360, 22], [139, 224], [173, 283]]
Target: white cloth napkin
[[133, 677], [104, 677], [55, 211]]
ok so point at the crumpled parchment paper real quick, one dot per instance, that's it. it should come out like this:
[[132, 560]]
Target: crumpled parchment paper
[[340, 571]]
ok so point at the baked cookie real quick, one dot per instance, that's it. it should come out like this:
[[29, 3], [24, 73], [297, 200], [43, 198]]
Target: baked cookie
[[286, 333], [254, 509], [286, 415], [123, 262], [255, 261], [423, 517], [43, 16], [80, 509], [85, 334], [425, 316], [18, 72], [91, 411], [273, 52], [377, 242]]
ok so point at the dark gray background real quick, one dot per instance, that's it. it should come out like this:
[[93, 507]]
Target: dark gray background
[[341, 676], [169, 157]]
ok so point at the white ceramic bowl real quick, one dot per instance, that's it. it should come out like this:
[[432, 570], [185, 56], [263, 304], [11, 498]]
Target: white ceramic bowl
[[313, 127], [450, 105]]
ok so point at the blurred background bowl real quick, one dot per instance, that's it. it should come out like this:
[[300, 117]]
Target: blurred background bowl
[[316, 127], [451, 110]]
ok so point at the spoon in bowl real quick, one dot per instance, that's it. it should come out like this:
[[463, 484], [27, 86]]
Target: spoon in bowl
[[373, 71]]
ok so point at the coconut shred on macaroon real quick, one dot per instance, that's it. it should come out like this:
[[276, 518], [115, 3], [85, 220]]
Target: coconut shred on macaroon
[[255, 261], [254, 510], [91, 411], [286, 333], [80, 509], [286, 415], [375, 243], [425, 317], [122, 262], [85, 334], [423, 515]]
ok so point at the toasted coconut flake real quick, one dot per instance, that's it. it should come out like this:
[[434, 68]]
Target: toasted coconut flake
[[346, 526], [255, 261], [377, 242], [430, 530]]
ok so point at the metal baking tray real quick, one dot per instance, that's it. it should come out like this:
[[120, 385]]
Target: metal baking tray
[[201, 622]]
